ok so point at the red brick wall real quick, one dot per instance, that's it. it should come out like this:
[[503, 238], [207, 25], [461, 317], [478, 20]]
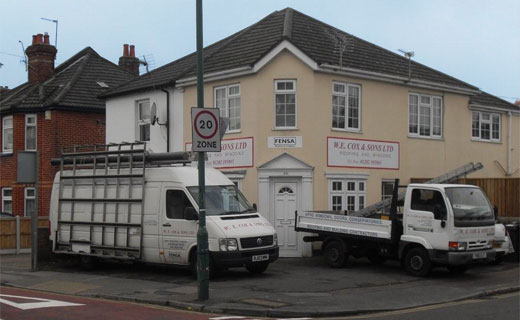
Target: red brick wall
[[64, 129]]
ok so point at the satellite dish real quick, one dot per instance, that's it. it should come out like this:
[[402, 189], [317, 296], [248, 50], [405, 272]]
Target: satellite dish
[[153, 114]]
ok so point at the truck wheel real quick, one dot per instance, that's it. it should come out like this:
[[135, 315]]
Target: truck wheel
[[257, 268], [335, 255], [417, 262], [457, 269]]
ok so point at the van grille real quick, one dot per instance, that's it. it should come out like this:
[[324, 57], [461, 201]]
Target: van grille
[[256, 242], [475, 245]]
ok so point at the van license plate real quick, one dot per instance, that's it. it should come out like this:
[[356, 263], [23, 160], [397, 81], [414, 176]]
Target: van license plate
[[479, 255], [261, 257]]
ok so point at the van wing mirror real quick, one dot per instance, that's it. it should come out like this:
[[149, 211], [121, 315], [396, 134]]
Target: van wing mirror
[[190, 214]]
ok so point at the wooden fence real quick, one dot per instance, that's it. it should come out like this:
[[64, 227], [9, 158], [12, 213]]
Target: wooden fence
[[502, 192], [15, 233]]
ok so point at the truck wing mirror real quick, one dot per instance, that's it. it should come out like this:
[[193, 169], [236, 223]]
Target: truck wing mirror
[[190, 214], [255, 207]]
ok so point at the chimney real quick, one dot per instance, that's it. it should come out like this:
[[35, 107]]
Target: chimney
[[40, 57], [128, 61]]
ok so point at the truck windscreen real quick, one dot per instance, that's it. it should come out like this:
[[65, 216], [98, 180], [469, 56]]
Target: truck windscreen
[[221, 200], [470, 207]]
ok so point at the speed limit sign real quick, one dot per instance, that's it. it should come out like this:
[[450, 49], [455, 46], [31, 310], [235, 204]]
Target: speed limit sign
[[205, 129]]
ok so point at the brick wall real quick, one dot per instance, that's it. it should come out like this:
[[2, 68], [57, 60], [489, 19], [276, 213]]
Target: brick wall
[[63, 129]]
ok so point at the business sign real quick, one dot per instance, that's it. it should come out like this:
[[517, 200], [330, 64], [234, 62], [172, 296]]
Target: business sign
[[205, 129], [236, 153], [284, 142], [361, 153]]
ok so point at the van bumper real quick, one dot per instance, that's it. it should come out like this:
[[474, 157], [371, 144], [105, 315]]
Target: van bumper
[[452, 258], [225, 259]]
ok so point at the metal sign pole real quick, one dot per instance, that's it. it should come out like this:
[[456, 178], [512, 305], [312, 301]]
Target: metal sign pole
[[202, 234]]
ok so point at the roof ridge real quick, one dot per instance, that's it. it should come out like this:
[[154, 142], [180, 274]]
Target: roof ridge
[[75, 78], [287, 23]]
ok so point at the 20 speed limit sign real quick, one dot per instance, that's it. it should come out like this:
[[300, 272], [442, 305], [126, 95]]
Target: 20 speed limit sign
[[205, 129]]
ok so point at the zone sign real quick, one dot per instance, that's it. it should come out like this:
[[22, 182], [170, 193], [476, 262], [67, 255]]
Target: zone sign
[[205, 129]]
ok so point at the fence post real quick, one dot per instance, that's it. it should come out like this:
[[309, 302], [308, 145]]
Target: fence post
[[17, 234]]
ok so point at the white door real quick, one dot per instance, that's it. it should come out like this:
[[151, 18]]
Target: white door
[[285, 204]]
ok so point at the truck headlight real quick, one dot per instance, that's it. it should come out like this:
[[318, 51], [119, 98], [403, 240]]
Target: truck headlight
[[275, 239], [458, 246], [228, 244]]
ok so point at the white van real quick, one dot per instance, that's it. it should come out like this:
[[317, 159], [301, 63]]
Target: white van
[[119, 203]]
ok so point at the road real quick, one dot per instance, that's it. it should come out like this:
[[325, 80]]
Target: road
[[23, 304], [503, 307]]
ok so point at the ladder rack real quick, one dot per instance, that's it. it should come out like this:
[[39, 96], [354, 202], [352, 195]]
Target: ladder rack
[[447, 177]]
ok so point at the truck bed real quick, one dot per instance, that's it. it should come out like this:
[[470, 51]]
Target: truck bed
[[338, 224]]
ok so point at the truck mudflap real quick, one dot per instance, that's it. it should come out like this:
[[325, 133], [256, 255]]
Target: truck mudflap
[[452, 258], [226, 259]]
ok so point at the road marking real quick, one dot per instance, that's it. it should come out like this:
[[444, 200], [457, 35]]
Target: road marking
[[41, 303]]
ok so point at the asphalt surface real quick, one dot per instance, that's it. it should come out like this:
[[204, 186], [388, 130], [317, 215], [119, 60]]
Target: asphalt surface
[[291, 287]]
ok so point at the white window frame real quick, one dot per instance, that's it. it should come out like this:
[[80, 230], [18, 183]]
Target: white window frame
[[140, 123], [5, 133], [346, 106], [482, 121], [225, 111], [285, 92], [28, 198], [6, 199], [431, 114], [358, 192], [27, 126]]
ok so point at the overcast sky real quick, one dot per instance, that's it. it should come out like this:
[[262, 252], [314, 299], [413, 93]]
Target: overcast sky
[[476, 41]]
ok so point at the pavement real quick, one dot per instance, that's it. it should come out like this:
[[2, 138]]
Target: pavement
[[291, 287]]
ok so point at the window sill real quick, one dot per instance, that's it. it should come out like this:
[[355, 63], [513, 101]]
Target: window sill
[[347, 130], [285, 129], [426, 138], [233, 131], [486, 141]]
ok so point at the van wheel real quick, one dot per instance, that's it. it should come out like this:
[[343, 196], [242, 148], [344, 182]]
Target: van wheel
[[193, 265], [257, 268], [417, 262], [457, 269], [335, 255]]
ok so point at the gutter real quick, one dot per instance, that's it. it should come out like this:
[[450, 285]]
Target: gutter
[[479, 106], [394, 79], [217, 75]]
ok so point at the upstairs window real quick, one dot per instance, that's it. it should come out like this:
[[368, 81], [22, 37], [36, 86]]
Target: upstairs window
[[424, 116], [346, 106], [285, 104], [227, 99], [30, 132], [7, 134], [485, 126], [143, 120]]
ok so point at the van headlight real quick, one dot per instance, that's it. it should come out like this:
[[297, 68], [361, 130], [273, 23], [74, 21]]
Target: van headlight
[[228, 244], [275, 239]]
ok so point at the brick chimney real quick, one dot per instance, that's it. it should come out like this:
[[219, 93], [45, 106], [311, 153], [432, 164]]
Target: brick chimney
[[128, 61], [40, 56]]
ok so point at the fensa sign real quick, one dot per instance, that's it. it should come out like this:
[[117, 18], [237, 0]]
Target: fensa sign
[[361, 153]]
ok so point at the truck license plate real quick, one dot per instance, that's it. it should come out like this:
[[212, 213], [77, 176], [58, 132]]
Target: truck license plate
[[479, 255], [261, 257]]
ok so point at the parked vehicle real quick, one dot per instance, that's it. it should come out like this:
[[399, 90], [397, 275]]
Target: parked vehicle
[[440, 225], [119, 202], [502, 243]]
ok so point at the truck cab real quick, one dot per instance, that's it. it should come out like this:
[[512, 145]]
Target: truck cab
[[453, 224]]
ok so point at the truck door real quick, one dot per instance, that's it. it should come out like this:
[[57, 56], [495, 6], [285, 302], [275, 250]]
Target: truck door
[[177, 233], [427, 217]]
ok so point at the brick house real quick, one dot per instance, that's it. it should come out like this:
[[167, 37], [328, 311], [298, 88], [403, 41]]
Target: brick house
[[57, 107]]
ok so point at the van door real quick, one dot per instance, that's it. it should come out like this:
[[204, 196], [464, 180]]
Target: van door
[[427, 217], [177, 234]]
